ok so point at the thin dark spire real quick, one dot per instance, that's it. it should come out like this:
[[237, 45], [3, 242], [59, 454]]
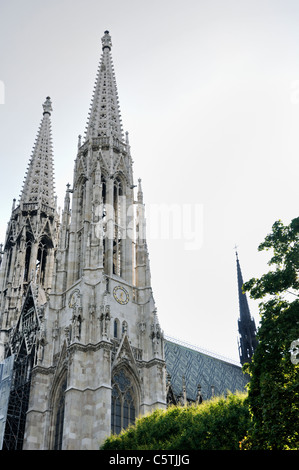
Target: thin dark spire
[[246, 324], [243, 303]]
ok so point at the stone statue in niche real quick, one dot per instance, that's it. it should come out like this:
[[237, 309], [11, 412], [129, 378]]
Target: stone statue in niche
[[105, 320], [75, 305]]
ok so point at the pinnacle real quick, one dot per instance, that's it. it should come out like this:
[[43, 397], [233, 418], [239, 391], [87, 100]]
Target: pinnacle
[[140, 193], [48, 105], [106, 41]]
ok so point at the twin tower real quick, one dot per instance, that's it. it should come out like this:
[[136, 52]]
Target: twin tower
[[77, 313]]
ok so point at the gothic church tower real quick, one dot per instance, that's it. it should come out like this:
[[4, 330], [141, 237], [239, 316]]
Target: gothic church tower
[[98, 357], [26, 276], [32, 230]]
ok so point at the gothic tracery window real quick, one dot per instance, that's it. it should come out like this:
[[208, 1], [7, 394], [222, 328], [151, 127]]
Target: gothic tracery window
[[123, 402]]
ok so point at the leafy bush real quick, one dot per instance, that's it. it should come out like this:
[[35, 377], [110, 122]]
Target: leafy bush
[[218, 424], [273, 394]]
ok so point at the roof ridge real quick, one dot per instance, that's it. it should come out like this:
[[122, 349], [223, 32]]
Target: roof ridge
[[202, 350]]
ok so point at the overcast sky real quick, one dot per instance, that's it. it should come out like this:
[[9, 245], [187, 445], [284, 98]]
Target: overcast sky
[[209, 93]]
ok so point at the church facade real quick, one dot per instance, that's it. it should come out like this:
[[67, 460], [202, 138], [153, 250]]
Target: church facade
[[77, 308], [81, 347]]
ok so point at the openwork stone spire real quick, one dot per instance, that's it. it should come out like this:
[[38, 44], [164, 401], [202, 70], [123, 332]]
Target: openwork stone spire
[[104, 116], [39, 180]]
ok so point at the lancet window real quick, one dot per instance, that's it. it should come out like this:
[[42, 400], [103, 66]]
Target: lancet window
[[41, 263], [123, 402], [104, 192], [59, 418], [118, 229], [116, 328], [27, 259]]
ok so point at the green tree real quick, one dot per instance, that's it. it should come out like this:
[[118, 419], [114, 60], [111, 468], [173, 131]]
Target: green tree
[[273, 394], [218, 424]]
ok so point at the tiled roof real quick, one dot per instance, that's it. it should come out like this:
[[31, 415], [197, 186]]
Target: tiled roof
[[199, 367]]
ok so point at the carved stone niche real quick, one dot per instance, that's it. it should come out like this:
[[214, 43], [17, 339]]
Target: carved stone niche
[[75, 305], [75, 299], [105, 318]]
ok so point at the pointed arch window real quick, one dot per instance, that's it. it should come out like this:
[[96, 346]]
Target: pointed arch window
[[116, 328], [81, 194], [27, 261], [103, 183], [117, 241], [104, 194], [59, 418], [123, 402], [41, 263]]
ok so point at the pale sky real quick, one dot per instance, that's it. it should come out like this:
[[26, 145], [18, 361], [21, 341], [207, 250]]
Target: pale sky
[[209, 93]]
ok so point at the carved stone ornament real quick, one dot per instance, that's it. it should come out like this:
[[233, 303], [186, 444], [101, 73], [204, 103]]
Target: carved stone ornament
[[75, 299]]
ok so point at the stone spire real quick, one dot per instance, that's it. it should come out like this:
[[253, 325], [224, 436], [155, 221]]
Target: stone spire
[[39, 180], [246, 324], [104, 116], [31, 237]]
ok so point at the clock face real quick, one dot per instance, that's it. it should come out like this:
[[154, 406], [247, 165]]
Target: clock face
[[121, 295]]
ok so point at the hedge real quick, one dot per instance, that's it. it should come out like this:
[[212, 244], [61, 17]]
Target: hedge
[[218, 424]]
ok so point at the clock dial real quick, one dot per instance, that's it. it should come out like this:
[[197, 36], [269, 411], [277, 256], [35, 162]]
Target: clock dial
[[121, 295]]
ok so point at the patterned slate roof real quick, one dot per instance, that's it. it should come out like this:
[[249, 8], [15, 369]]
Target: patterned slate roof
[[201, 368]]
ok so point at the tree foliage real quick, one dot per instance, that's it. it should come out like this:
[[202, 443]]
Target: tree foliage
[[273, 395], [218, 424]]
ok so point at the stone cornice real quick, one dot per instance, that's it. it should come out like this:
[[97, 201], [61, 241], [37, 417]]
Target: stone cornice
[[103, 344]]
